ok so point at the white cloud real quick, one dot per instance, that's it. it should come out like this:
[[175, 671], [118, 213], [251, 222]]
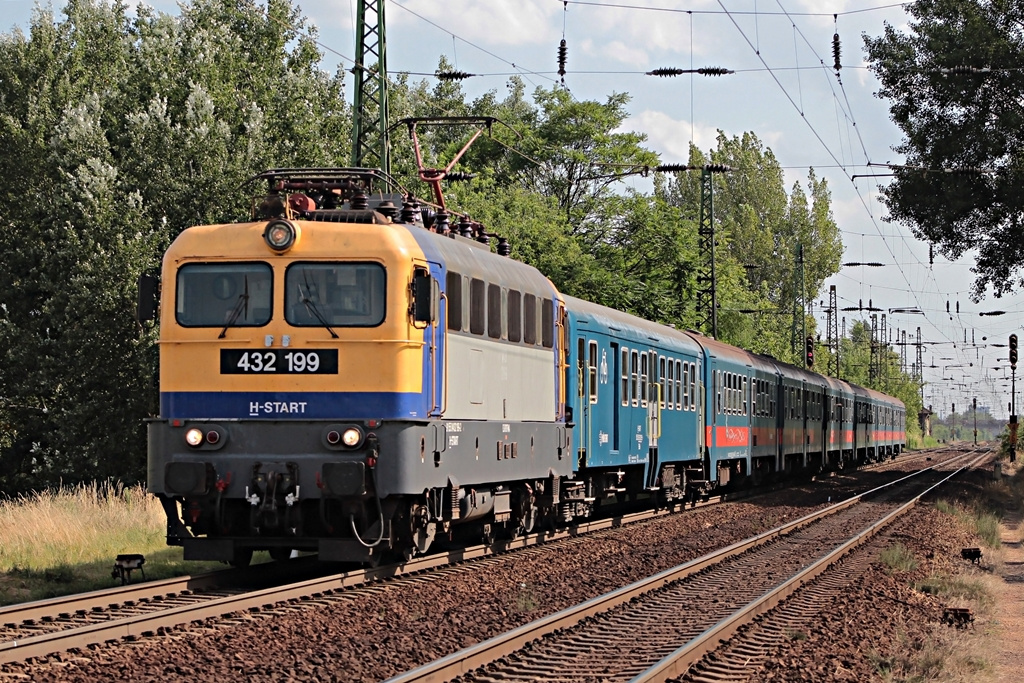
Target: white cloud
[[491, 24], [618, 51], [670, 137]]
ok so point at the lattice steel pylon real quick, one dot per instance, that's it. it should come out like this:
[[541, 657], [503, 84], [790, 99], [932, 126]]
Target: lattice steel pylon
[[371, 147], [883, 354], [833, 333], [919, 374], [903, 352], [707, 297], [873, 370]]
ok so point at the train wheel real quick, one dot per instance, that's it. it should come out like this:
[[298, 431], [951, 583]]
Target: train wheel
[[421, 530], [280, 554], [524, 511], [242, 557]]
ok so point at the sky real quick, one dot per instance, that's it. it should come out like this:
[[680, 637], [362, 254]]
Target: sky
[[784, 90]]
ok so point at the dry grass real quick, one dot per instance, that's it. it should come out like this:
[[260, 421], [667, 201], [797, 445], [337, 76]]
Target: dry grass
[[78, 525], [65, 541]]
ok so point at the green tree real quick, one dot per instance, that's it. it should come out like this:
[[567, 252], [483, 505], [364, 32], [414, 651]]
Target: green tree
[[758, 227], [119, 132], [955, 86], [855, 367]]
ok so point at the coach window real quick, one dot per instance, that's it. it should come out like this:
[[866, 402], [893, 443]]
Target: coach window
[[529, 319], [634, 377], [548, 324], [718, 386], [592, 370], [453, 294], [643, 379], [215, 294], [684, 372], [661, 381], [653, 377], [684, 401], [743, 392], [725, 392], [494, 311], [675, 373], [580, 360], [334, 294], [624, 365], [515, 315], [693, 386], [477, 306]]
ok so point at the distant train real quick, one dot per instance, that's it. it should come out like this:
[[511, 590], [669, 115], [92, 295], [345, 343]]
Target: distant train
[[350, 376]]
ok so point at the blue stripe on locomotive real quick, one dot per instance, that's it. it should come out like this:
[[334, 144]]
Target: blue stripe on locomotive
[[293, 405], [609, 434]]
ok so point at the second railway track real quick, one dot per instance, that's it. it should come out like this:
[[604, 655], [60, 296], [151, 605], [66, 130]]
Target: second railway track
[[656, 629]]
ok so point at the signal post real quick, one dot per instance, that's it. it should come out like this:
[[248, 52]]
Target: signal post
[[1013, 397]]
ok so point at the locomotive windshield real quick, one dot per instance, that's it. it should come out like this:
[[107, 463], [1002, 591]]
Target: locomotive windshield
[[335, 294], [219, 294]]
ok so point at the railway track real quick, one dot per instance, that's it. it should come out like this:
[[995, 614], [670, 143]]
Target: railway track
[[41, 628], [136, 611], [657, 629]]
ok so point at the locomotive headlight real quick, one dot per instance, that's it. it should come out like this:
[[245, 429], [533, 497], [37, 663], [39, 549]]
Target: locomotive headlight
[[194, 437], [280, 235], [351, 437]]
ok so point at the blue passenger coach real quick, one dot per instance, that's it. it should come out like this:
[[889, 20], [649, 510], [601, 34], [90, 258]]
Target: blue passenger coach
[[635, 389]]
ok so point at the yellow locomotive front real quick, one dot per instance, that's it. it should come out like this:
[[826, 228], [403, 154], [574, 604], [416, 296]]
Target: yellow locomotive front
[[291, 348]]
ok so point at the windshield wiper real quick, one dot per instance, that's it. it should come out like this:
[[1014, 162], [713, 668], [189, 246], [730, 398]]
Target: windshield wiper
[[241, 305], [311, 308]]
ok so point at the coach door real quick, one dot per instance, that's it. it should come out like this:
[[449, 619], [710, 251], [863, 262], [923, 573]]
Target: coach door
[[654, 399], [430, 310], [586, 399]]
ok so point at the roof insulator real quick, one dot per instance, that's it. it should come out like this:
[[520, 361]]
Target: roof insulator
[[835, 53], [563, 51], [453, 75], [714, 71], [666, 71]]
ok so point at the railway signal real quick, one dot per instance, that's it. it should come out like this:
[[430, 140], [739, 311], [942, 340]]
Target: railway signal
[[810, 351], [1013, 397]]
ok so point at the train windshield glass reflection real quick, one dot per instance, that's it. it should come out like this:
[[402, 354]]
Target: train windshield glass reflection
[[335, 294], [213, 294]]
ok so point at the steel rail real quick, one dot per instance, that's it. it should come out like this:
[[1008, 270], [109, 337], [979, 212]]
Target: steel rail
[[145, 623], [472, 658], [679, 662]]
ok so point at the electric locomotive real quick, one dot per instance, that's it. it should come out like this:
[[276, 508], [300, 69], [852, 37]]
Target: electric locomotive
[[338, 375]]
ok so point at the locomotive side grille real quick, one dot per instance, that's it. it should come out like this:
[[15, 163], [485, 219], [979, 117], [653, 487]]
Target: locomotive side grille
[[346, 216]]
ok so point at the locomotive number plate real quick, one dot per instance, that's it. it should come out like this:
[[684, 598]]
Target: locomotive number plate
[[278, 361]]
